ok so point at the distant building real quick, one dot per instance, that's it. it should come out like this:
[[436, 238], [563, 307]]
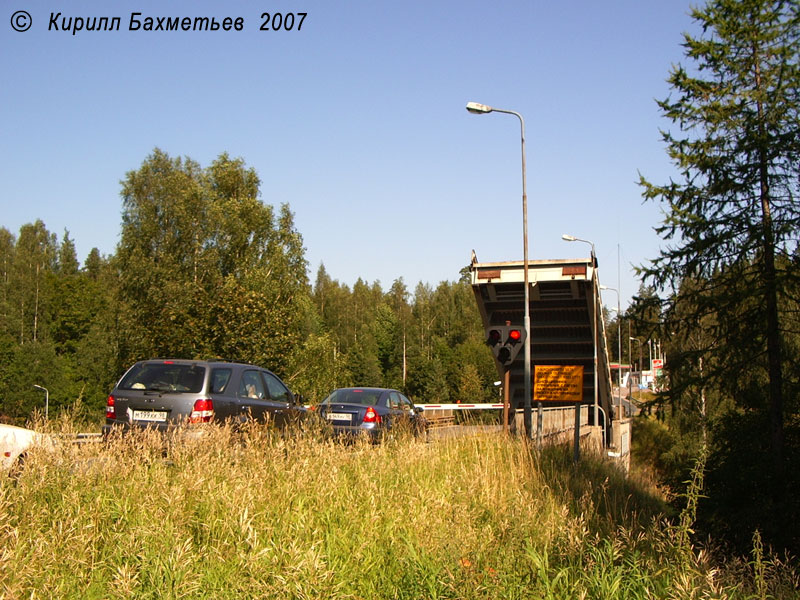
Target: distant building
[[626, 371]]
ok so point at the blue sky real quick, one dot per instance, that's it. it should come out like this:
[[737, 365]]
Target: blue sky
[[358, 122]]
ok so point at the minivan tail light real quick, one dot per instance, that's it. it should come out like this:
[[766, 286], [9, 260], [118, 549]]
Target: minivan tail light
[[371, 416], [203, 411], [111, 413]]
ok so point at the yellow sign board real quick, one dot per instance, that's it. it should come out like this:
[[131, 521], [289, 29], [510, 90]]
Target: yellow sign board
[[558, 383]]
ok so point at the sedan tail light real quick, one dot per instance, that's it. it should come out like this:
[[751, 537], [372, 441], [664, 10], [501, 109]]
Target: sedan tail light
[[203, 411], [111, 413], [371, 416]]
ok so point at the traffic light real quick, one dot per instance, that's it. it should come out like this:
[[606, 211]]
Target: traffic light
[[512, 344], [505, 342], [494, 336]]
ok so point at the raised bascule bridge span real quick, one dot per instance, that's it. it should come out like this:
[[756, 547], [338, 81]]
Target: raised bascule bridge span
[[566, 337]]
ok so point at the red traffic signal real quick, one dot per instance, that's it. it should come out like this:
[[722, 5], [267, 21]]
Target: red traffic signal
[[505, 342]]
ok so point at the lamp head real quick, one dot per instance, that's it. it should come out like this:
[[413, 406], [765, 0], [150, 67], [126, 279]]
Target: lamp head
[[569, 238], [478, 109]]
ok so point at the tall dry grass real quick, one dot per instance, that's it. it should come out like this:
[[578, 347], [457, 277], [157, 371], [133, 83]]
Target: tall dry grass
[[253, 514]]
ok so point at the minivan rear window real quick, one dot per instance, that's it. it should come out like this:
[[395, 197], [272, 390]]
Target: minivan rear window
[[164, 377]]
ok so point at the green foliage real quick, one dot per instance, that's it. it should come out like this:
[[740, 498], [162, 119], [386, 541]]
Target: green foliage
[[32, 260], [656, 447], [740, 487], [26, 365], [363, 363], [422, 347], [56, 331], [207, 266], [317, 368], [470, 385], [427, 380]]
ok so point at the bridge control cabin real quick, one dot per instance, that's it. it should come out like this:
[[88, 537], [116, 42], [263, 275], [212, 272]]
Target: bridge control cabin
[[564, 299]]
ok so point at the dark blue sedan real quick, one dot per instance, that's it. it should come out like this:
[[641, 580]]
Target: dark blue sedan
[[371, 411]]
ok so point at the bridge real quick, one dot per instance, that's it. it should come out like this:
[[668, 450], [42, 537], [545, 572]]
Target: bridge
[[566, 330]]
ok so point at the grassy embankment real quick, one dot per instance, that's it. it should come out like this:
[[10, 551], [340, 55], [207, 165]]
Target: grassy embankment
[[262, 517]]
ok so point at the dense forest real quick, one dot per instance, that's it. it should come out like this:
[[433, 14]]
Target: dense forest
[[206, 269]]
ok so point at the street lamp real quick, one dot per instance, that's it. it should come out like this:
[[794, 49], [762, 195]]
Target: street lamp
[[46, 399], [571, 238], [619, 348], [640, 357], [480, 109], [638, 341]]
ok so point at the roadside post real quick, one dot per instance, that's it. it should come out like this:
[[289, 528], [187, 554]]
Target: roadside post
[[561, 383], [506, 387]]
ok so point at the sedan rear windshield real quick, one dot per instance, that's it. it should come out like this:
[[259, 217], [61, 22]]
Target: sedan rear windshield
[[362, 397], [164, 377]]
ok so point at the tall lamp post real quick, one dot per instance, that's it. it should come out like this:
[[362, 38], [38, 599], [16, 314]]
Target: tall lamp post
[[571, 238], [619, 349], [640, 357], [481, 109], [46, 399]]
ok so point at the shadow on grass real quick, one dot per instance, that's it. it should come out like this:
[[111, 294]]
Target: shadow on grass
[[601, 492]]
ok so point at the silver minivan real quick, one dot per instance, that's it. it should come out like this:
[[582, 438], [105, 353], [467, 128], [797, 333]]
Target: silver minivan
[[159, 393]]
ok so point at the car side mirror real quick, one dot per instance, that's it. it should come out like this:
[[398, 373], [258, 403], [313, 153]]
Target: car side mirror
[[418, 409]]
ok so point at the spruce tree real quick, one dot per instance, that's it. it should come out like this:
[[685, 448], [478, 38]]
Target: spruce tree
[[733, 213]]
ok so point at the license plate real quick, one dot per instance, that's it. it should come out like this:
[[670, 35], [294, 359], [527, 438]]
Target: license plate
[[338, 417], [153, 416]]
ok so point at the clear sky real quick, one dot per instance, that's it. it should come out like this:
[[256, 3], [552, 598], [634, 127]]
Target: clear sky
[[358, 121]]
